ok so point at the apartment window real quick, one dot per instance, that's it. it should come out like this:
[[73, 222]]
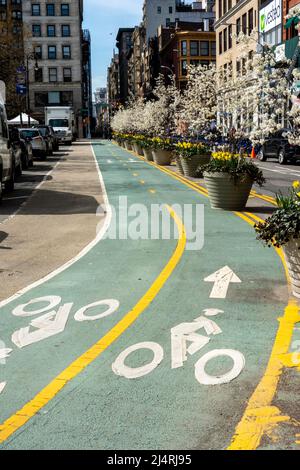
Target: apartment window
[[220, 9], [225, 40], [204, 62], [244, 23], [16, 15], [250, 20], [3, 2], [65, 30], [159, 10], [53, 97], [194, 62], [220, 43], [65, 9], [3, 16], [238, 26], [230, 37], [52, 74], [238, 67], [67, 75], [194, 48], [168, 21], [66, 52], [184, 67], [36, 30], [51, 32], [38, 75], [52, 52], [213, 48], [36, 9], [183, 48], [38, 52], [229, 4], [170, 10], [41, 99], [204, 47], [66, 98], [50, 9], [224, 7]]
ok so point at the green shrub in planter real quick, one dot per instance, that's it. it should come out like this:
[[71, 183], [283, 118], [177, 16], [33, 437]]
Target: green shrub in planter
[[192, 156]]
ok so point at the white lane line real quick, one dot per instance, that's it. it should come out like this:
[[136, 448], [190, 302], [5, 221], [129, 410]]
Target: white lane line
[[16, 197], [82, 253]]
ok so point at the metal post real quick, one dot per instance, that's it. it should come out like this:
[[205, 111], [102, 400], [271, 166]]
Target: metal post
[[27, 89]]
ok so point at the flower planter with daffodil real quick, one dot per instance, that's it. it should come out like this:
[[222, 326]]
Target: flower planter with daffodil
[[190, 156], [282, 230], [229, 179], [162, 150]]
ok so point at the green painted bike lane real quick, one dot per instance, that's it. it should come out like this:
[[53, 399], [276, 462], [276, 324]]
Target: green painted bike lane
[[167, 408]]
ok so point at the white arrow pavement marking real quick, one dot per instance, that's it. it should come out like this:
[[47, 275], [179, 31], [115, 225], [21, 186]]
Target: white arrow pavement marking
[[46, 327], [4, 353], [221, 279], [2, 386]]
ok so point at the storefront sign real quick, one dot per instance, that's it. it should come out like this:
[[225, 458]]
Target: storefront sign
[[270, 16]]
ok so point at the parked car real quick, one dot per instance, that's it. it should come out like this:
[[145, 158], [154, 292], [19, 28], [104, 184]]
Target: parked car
[[7, 159], [278, 146], [55, 139], [48, 137], [38, 143], [22, 146]]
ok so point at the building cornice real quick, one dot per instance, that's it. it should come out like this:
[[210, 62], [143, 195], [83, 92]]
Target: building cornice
[[231, 12]]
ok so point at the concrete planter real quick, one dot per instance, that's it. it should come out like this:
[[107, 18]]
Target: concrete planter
[[292, 256], [148, 154], [138, 149], [224, 193], [162, 157], [179, 165], [128, 146], [191, 165]]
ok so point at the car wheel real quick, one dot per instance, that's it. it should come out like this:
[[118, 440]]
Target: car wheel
[[10, 184], [281, 157], [261, 156]]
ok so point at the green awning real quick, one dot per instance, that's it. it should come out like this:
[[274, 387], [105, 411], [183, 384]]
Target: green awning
[[292, 21]]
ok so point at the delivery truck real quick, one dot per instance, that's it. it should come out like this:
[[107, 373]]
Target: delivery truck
[[62, 119]]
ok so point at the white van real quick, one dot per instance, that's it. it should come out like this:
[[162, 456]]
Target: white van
[[7, 166]]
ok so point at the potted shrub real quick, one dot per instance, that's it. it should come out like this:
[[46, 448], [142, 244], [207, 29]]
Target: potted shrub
[[136, 143], [191, 156], [162, 151], [229, 179], [282, 229], [147, 147]]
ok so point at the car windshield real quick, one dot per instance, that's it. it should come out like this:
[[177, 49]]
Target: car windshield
[[59, 122], [29, 134], [43, 131]]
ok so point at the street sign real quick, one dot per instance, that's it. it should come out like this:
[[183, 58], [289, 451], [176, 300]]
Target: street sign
[[21, 89], [21, 69]]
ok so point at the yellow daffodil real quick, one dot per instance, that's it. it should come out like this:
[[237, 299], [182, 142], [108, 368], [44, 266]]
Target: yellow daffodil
[[296, 184]]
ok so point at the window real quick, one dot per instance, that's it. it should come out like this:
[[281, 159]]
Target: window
[[3, 16], [53, 97], [194, 62], [183, 48], [50, 9], [36, 9], [229, 4], [16, 15], [66, 52], [168, 21], [52, 52], [67, 75], [51, 32], [244, 23], [204, 47], [238, 26], [184, 67], [38, 75], [220, 43], [36, 30], [250, 20], [52, 74], [41, 99], [224, 7], [220, 8], [66, 98], [225, 40], [38, 52], [159, 10], [194, 48], [213, 48], [230, 37], [204, 62], [65, 30], [65, 9], [238, 67], [170, 10]]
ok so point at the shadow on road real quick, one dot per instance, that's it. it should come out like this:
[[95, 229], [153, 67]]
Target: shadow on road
[[3, 236]]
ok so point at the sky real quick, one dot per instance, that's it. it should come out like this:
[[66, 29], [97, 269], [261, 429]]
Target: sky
[[103, 18]]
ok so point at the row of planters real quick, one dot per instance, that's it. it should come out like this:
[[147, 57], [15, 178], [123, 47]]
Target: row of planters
[[229, 179]]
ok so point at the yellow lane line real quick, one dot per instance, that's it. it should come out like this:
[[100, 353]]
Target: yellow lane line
[[260, 416], [142, 181], [17, 420], [152, 191]]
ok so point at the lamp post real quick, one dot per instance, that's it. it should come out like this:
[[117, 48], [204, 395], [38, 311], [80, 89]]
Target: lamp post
[[28, 58]]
